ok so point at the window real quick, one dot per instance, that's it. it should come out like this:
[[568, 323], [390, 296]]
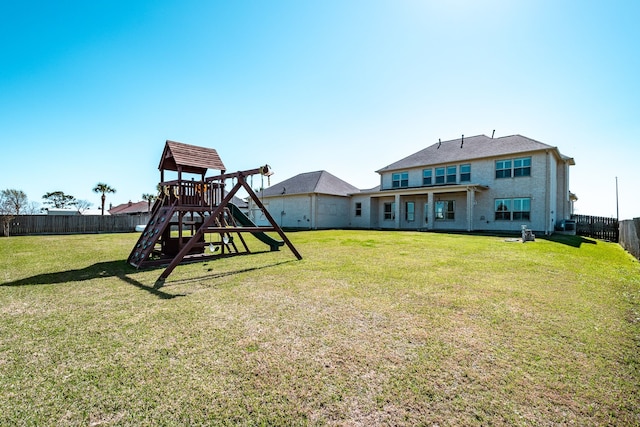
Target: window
[[439, 175], [445, 210], [410, 211], [426, 177], [513, 209], [400, 179], [451, 174], [522, 209], [503, 169], [465, 173], [503, 209], [358, 209], [389, 211], [522, 167]]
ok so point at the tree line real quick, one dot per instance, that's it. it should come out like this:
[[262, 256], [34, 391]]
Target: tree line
[[16, 202]]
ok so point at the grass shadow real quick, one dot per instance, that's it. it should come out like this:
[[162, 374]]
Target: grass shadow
[[150, 289], [94, 271], [569, 240], [160, 283], [119, 269], [565, 239]]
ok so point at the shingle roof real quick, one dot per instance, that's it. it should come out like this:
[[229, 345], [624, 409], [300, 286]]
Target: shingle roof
[[190, 158], [130, 208], [320, 182], [474, 147]]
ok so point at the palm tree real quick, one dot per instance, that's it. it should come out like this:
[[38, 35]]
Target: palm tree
[[150, 198], [104, 189]]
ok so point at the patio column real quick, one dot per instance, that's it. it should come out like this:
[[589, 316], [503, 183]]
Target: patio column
[[430, 216], [397, 212], [471, 201]]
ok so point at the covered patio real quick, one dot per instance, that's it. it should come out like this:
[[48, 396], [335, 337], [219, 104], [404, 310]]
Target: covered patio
[[449, 207]]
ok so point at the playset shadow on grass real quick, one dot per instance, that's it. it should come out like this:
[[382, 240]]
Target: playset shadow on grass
[[194, 219]]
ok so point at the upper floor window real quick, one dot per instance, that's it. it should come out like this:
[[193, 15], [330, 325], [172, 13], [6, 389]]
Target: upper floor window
[[465, 173], [503, 169], [513, 167], [439, 175], [400, 180], [522, 167], [426, 177], [451, 174], [358, 208]]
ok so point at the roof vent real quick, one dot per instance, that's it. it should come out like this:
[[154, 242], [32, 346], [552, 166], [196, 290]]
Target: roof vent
[[462, 143], [439, 143]]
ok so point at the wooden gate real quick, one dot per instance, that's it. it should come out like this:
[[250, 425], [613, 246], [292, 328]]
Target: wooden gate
[[597, 227]]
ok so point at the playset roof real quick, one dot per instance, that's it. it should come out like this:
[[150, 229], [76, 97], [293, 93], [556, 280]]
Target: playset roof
[[178, 156]]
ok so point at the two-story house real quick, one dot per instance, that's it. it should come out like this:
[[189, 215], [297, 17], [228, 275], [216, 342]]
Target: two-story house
[[472, 184], [476, 183]]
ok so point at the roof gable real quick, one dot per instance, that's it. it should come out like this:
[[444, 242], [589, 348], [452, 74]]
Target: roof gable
[[320, 182], [189, 158], [471, 148]]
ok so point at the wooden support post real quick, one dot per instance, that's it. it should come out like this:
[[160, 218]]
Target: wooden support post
[[185, 249], [274, 224], [210, 222]]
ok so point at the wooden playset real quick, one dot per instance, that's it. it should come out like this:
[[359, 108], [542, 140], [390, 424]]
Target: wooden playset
[[194, 219]]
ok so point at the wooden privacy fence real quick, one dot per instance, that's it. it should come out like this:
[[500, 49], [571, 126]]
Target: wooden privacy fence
[[630, 236], [597, 227], [21, 225]]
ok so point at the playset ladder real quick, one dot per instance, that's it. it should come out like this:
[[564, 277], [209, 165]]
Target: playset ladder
[[150, 236]]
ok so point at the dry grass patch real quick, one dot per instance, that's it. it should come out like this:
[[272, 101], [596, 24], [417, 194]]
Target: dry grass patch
[[370, 328]]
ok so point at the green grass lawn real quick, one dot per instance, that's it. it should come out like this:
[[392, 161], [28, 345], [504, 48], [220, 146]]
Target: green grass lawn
[[370, 328]]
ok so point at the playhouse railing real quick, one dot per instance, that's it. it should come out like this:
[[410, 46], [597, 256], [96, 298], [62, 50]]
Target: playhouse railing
[[192, 193]]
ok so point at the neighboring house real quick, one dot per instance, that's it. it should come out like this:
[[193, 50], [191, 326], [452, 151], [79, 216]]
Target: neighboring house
[[130, 208], [312, 200], [61, 211], [243, 205], [468, 184], [90, 212]]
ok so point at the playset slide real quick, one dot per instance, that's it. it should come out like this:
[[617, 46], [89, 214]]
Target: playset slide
[[246, 222]]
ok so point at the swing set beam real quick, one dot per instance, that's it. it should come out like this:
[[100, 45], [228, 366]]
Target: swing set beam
[[209, 224]]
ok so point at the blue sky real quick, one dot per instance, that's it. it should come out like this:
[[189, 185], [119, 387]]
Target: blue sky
[[90, 90]]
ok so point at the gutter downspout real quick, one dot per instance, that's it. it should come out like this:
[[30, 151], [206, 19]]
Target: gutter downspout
[[547, 201]]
